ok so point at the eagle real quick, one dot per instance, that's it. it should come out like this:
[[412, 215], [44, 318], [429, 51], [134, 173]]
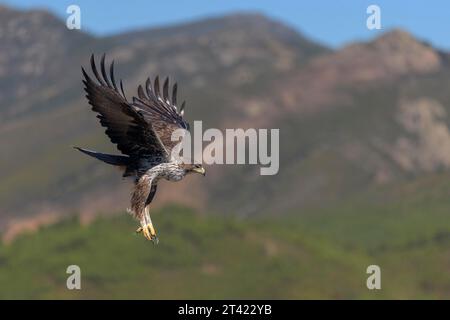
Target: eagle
[[142, 131]]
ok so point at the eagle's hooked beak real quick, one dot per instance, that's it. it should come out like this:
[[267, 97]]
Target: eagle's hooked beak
[[200, 170]]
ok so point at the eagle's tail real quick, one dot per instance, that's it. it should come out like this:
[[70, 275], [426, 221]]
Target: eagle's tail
[[115, 160]]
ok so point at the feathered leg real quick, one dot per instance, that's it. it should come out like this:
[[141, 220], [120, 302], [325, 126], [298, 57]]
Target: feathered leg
[[147, 227], [143, 191]]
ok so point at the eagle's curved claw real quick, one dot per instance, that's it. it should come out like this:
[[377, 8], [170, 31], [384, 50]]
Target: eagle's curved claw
[[155, 240], [149, 233]]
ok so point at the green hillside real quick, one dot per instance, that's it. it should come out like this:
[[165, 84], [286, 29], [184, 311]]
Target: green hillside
[[322, 253]]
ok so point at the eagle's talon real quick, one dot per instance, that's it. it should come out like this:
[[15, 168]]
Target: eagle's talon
[[149, 233]]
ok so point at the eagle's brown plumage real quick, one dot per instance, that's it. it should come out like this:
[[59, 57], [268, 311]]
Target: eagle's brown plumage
[[142, 130]]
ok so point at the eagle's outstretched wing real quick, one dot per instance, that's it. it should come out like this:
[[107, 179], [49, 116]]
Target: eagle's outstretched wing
[[133, 134], [161, 110]]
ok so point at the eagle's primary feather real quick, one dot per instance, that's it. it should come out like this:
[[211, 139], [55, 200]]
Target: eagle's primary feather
[[142, 130]]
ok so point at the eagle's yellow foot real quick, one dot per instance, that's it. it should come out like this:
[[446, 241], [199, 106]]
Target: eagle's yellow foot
[[149, 233]]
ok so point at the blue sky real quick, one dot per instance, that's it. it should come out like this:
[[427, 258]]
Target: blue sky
[[333, 23]]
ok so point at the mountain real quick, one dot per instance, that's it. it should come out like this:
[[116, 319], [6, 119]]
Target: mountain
[[35, 49], [44, 112], [367, 115]]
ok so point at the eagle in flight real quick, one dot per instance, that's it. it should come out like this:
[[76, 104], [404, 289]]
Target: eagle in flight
[[142, 130]]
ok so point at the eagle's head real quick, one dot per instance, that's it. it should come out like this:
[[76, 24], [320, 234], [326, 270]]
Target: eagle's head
[[193, 168]]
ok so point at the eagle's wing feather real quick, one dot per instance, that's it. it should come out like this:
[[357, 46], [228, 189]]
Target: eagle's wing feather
[[160, 110], [125, 126]]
